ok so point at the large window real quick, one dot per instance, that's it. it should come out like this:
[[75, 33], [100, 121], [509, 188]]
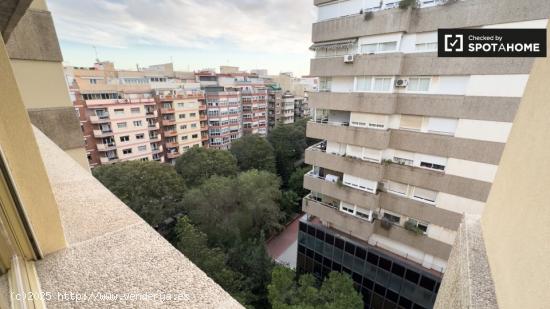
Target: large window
[[425, 195], [419, 84], [374, 48], [374, 84], [325, 83]]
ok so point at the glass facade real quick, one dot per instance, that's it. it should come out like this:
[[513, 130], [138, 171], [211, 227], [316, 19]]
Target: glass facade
[[384, 281]]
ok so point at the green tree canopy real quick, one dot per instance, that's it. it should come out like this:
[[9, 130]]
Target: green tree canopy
[[254, 152], [289, 143], [336, 291], [229, 209], [296, 181], [199, 164], [153, 190]]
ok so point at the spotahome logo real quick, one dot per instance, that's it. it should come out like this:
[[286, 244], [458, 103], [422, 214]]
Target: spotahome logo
[[492, 43]]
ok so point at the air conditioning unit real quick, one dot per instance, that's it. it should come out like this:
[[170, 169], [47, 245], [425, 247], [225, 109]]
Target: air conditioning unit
[[401, 83], [348, 58]]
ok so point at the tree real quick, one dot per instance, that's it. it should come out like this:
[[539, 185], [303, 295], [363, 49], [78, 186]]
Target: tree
[[193, 244], [199, 164], [254, 152], [337, 291], [296, 181], [228, 209], [290, 202], [289, 143], [153, 190]]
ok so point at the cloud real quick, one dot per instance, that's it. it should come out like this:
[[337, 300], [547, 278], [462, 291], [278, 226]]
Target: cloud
[[275, 26]]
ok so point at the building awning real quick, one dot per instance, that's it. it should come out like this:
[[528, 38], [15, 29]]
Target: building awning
[[334, 44]]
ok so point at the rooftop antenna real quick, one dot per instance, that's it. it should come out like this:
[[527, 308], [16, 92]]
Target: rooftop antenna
[[96, 56]]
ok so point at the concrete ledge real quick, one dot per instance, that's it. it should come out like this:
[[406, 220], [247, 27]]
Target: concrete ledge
[[35, 38], [467, 283], [60, 125], [111, 250]]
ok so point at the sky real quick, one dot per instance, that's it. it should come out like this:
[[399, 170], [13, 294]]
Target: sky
[[193, 34]]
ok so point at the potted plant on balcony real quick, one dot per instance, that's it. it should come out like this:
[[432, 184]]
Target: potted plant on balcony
[[412, 226], [385, 224], [405, 4]]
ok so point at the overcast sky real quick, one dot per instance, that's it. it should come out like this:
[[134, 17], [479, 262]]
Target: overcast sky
[[195, 34]]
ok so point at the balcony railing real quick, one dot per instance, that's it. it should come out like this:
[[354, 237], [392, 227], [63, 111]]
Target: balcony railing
[[173, 155], [170, 133], [95, 119], [168, 122], [331, 123], [100, 133], [106, 147], [153, 126]]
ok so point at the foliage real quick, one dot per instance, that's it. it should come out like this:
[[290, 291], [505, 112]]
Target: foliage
[[413, 227], [405, 4], [152, 190], [199, 164], [336, 291], [296, 181], [290, 202], [250, 258], [236, 208], [254, 152], [289, 143], [193, 243]]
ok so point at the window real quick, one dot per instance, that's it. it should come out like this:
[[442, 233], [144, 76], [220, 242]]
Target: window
[[121, 125], [379, 47], [348, 208], [193, 125], [93, 81], [397, 188], [421, 225], [137, 123], [140, 136], [119, 111], [364, 83], [382, 84], [442, 125], [432, 166], [183, 127], [425, 195], [419, 84], [325, 83], [184, 138], [410, 122], [142, 148], [195, 136], [125, 138], [392, 218], [181, 105], [135, 110], [360, 183], [402, 161], [181, 116], [127, 151], [192, 115], [426, 47]]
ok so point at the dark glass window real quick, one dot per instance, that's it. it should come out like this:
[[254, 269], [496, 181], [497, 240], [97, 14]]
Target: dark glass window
[[391, 295], [309, 253], [311, 231], [412, 276], [416, 306], [372, 258], [327, 262], [329, 239], [427, 283], [302, 249], [320, 235], [380, 290], [318, 258], [398, 270], [384, 264], [339, 243], [368, 283], [350, 248], [405, 303], [360, 253]]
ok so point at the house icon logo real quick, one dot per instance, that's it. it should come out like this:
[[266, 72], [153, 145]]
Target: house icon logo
[[454, 43]]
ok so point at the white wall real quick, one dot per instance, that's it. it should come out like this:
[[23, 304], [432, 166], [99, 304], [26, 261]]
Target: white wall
[[511, 85], [442, 234], [473, 170], [492, 131], [342, 84], [459, 204]]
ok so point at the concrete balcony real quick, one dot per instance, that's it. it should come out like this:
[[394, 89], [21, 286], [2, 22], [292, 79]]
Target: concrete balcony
[[110, 249], [99, 119], [378, 103], [158, 150], [421, 242], [101, 134], [173, 155], [347, 165], [378, 139], [167, 110], [344, 193], [172, 144], [153, 127], [445, 146], [381, 64], [168, 122], [171, 133], [154, 139], [417, 64], [152, 114], [330, 215], [107, 160], [106, 147]]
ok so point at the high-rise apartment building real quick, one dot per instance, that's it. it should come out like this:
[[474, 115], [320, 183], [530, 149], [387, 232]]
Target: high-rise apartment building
[[254, 110], [410, 142], [287, 112], [224, 116], [274, 105]]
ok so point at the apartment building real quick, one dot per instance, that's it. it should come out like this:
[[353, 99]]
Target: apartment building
[[181, 121], [118, 114], [287, 110], [223, 108], [301, 107], [411, 142]]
